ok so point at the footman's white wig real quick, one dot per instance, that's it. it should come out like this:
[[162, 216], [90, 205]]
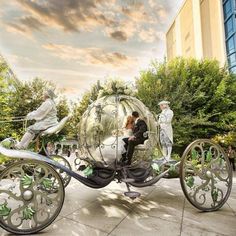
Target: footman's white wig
[[50, 93], [163, 103]]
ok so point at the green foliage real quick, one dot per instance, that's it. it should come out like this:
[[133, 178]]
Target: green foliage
[[5, 97], [226, 139], [3, 159], [202, 96]]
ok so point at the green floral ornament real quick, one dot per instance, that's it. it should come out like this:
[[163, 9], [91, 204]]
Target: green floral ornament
[[28, 213], [88, 171], [26, 181], [190, 181], [4, 210], [47, 183]]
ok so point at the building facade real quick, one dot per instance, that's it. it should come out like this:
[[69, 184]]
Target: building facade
[[204, 29]]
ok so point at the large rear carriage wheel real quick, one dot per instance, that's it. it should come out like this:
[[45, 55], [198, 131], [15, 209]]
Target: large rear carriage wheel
[[31, 197], [205, 175]]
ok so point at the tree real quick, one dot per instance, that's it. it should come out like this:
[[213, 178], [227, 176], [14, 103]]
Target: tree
[[6, 77], [202, 95]]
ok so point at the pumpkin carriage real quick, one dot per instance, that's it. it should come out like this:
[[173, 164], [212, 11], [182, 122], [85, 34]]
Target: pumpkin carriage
[[32, 189]]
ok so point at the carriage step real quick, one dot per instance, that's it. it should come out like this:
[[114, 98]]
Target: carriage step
[[132, 195], [128, 180]]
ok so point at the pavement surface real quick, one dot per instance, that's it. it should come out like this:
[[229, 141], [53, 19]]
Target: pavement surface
[[161, 210]]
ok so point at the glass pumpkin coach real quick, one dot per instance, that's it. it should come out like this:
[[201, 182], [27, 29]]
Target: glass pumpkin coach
[[101, 129], [32, 188]]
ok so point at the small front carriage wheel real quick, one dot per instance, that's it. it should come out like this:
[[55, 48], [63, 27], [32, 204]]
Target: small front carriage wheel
[[31, 197], [66, 178], [205, 175]]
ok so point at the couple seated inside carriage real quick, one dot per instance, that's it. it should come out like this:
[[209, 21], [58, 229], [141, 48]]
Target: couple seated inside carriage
[[132, 134], [135, 128]]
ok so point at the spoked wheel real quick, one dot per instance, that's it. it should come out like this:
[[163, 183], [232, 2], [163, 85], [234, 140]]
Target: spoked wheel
[[65, 177], [205, 175], [31, 197]]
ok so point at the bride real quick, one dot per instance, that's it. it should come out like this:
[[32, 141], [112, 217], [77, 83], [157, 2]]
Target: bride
[[129, 126], [113, 146]]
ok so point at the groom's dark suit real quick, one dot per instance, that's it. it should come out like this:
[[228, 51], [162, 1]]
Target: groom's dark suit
[[139, 129]]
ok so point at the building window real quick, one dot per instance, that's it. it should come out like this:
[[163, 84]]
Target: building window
[[232, 59], [229, 27], [233, 69], [230, 45], [227, 9]]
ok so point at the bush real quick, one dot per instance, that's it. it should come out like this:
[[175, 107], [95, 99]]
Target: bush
[[202, 96]]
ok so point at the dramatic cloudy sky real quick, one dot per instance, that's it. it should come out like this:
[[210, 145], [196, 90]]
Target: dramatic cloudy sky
[[76, 42]]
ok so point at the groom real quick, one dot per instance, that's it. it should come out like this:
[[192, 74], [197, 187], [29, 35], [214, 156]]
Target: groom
[[140, 128]]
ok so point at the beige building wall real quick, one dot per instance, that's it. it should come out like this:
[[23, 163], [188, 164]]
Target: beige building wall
[[186, 29], [199, 29], [171, 42]]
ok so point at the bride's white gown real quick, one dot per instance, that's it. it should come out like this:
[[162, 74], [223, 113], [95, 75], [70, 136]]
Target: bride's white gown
[[112, 147]]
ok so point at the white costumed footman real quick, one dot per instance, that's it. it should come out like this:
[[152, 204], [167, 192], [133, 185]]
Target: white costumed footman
[[45, 117], [166, 131]]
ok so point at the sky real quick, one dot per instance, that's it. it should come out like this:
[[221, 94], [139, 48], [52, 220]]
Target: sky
[[74, 43]]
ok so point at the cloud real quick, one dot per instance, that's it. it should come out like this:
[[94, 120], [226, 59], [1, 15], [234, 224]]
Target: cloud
[[136, 11], [123, 31], [137, 16], [32, 23], [151, 35], [119, 35], [69, 15], [26, 26], [12, 27], [90, 56], [119, 20], [19, 60]]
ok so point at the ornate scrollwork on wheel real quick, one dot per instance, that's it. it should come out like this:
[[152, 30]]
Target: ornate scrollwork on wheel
[[31, 197], [65, 177], [205, 175]]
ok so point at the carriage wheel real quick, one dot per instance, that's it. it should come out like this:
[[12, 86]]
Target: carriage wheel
[[31, 197], [205, 175], [65, 177]]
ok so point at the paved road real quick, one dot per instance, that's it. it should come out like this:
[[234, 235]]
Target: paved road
[[161, 210]]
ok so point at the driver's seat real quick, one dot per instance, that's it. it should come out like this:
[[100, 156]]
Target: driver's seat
[[56, 128]]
